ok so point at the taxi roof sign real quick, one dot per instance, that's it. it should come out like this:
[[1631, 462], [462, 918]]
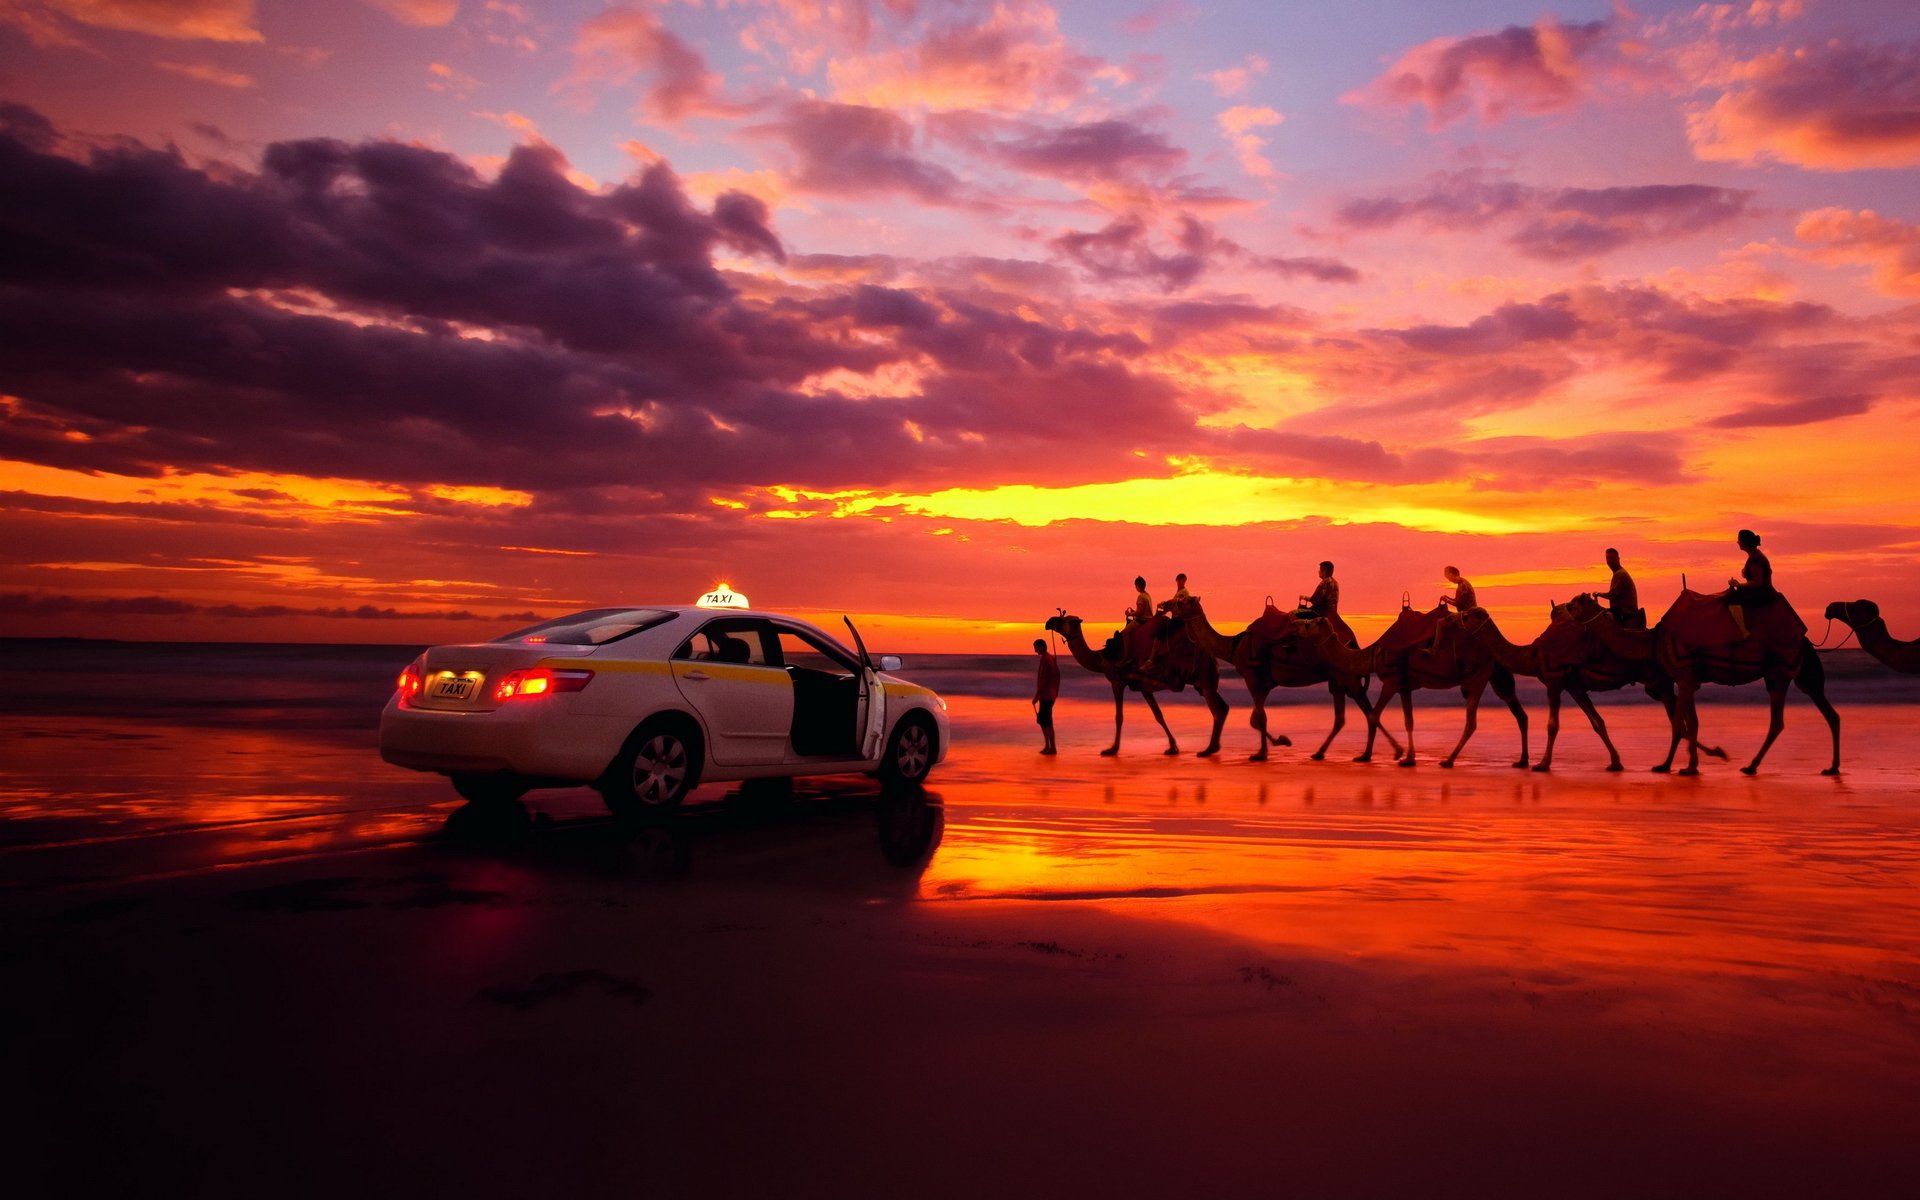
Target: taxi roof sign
[[723, 597]]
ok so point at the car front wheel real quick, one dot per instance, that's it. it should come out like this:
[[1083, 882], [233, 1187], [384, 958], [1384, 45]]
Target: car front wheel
[[653, 773], [909, 753]]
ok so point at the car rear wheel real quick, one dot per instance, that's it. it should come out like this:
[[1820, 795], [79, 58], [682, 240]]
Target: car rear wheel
[[909, 753], [654, 771]]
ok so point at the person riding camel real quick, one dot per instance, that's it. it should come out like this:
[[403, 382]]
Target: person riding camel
[[1622, 598], [1325, 600], [1180, 593], [1142, 609], [1462, 599], [1754, 588]]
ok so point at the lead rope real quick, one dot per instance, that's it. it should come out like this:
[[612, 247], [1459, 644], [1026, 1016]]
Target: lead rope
[[1852, 629]]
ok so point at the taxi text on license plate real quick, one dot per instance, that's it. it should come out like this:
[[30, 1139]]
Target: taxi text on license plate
[[455, 687]]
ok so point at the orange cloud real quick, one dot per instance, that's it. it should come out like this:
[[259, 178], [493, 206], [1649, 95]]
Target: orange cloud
[[1544, 68], [1832, 107], [1015, 58], [1239, 123], [1890, 247], [208, 73], [204, 20], [419, 12], [1231, 81], [621, 44]]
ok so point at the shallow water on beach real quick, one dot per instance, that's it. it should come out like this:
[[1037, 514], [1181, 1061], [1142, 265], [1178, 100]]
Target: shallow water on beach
[[1719, 948], [1779, 872]]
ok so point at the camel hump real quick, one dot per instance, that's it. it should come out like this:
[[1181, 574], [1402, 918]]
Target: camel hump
[[1698, 621], [1272, 624], [1411, 629]]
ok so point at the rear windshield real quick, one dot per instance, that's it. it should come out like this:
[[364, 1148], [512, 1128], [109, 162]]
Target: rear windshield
[[595, 627]]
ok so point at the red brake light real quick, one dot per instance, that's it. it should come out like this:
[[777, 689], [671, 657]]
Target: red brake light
[[409, 681], [539, 681]]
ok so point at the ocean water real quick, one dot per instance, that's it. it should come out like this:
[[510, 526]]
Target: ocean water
[[345, 686]]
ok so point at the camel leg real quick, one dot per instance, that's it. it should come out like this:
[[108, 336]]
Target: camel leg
[[1776, 719], [1339, 719], [1553, 728], [1119, 717], [1665, 696], [1217, 705], [1687, 719], [1471, 691], [1153, 706], [1406, 713], [1505, 688], [1259, 722], [1599, 724], [1374, 714], [1380, 711], [1813, 681]]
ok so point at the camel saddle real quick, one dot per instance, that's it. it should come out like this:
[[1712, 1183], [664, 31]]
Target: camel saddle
[[1132, 646], [1699, 623], [1266, 635], [1411, 630]]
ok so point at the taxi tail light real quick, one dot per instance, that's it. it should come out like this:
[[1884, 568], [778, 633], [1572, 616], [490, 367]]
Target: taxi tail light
[[539, 682], [408, 685]]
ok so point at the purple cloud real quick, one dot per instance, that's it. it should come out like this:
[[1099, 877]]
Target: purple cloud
[[1810, 411], [1555, 224]]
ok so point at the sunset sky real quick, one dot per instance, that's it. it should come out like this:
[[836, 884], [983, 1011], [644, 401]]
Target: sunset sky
[[399, 320]]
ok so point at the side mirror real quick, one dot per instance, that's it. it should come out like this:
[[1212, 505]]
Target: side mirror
[[891, 663]]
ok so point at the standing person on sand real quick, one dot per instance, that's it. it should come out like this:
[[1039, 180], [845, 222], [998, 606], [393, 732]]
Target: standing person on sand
[[1754, 588], [1046, 689], [1622, 598]]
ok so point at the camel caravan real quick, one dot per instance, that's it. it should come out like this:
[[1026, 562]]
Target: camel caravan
[[1595, 642]]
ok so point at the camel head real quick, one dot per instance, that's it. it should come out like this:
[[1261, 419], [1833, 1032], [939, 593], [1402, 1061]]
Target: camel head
[[1582, 607], [1180, 610], [1062, 623], [1475, 619], [1857, 614]]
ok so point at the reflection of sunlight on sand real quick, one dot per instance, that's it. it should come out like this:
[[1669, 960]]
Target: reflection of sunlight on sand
[[1790, 886]]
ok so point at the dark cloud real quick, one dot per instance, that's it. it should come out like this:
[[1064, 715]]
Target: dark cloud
[[857, 150], [1810, 411], [1111, 149], [31, 604], [1554, 224], [1550, 320], [381, 311], [1125, 250], [1830, 106], [1122, 250], [1520, 69]]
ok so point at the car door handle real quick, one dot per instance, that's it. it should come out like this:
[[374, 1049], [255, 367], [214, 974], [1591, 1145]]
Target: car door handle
[[697, 676]]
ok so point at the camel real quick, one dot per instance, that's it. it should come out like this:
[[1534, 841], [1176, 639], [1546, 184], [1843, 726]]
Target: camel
[[1676, 648], [1267, 663], [1404, 662], [1569, 659], [1863, 617], [1185, 665]]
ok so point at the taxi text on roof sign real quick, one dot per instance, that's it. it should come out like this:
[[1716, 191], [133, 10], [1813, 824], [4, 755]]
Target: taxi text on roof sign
[[723, 597]]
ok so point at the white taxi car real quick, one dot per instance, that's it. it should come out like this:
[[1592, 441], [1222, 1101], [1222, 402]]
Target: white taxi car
[[645, 703]]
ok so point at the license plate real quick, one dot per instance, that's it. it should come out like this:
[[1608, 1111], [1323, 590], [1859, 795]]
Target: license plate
[[454, 687]]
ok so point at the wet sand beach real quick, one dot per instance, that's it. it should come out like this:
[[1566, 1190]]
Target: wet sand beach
[[244, 957]]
